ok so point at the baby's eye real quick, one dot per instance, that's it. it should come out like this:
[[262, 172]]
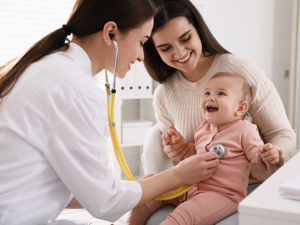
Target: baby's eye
[[221, 94], [207, 93]]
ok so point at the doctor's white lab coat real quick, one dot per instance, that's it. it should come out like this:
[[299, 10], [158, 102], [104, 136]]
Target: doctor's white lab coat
[[53, 126]]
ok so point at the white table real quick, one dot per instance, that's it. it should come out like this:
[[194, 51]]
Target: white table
[[265, 206]]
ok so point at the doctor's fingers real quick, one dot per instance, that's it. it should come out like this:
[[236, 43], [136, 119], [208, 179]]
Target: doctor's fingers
[[208, 156], [207, 176], [205, 173], [212, 164], [209, 172]]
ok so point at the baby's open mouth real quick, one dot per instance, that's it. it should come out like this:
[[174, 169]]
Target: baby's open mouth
[[211, 108]]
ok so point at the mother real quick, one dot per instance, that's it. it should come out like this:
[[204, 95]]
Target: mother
[[182, 55]]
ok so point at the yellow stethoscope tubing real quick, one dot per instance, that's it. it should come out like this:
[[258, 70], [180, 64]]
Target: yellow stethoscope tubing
[[120, 156], [115, 140]]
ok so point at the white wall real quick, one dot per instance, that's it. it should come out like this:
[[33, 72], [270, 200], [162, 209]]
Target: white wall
[[256, 30]]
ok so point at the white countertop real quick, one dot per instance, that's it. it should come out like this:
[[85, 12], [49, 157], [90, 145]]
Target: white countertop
[[265, 205]]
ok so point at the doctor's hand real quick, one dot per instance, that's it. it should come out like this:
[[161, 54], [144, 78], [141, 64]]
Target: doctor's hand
[[176, 146], [262, 170], [197, 168]]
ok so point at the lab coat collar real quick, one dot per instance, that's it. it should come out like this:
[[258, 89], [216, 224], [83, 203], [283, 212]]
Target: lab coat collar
[[81, 58]]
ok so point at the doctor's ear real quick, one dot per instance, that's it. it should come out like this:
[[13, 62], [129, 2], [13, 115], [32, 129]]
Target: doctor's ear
[[109, 31], [243, 108]]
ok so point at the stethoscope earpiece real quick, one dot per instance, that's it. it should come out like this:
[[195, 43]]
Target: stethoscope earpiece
[[111, 36]]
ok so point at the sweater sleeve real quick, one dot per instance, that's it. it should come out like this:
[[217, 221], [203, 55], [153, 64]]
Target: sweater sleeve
[[161, 112], [268, 112]]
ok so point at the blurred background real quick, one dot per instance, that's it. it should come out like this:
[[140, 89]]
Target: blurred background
[[265, 32]]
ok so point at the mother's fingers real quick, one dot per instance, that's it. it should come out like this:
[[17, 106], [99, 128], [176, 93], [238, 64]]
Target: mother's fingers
[[176, 148], [255, 163]]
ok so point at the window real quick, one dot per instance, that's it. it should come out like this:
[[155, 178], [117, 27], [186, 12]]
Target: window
[[24, 22], [297, 87]]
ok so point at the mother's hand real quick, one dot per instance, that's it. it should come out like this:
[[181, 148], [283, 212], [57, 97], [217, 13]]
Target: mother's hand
[[262, 170], [197, 168]]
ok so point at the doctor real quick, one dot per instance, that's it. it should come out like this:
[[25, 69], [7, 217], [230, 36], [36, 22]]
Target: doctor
[[53, 120]]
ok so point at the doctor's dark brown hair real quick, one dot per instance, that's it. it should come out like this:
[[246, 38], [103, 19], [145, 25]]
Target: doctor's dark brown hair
[[87, 17], [168, 10]]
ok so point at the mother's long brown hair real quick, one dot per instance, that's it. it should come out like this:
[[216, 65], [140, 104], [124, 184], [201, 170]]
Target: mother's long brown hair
[[170, 9], [87, 17]]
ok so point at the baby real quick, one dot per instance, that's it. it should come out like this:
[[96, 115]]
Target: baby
[[226, 100]]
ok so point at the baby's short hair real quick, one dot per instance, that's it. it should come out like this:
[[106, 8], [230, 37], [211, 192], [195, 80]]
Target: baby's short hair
[[247, 92]]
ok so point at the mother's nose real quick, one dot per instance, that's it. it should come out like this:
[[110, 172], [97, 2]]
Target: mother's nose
[[179, 51]]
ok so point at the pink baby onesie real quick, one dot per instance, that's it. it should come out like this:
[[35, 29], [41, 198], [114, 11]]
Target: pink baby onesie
[[217, 197]]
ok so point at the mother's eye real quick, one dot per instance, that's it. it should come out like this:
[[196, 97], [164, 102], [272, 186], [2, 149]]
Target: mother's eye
[[188, 38], [165, 49]]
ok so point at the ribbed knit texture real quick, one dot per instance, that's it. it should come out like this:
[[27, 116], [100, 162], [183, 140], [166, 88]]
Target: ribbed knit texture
[[177, 102]]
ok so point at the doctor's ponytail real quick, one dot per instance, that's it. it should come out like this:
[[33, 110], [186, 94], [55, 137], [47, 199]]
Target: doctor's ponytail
[[87, 17]]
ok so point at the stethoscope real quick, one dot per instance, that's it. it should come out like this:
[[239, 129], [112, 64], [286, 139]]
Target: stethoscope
[[110, 96]]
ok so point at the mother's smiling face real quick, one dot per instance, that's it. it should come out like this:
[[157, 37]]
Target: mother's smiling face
[[178, 44]]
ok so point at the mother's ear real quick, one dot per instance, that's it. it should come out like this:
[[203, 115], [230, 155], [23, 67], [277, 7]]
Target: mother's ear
[[243, 108], [109, 32]]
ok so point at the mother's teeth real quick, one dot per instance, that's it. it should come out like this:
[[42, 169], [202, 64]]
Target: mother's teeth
[[183, 60]]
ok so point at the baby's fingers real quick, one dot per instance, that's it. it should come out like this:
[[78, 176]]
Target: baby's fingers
[[260, 148], [172, 132], [166, 137], [272, 158], [177, 139], [268, 147], [265, 154]]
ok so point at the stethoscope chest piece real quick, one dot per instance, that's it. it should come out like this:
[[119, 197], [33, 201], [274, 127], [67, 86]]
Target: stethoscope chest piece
[[219, 149]]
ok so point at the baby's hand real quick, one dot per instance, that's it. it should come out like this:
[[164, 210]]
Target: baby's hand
[[172, 136], [269, 153]]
